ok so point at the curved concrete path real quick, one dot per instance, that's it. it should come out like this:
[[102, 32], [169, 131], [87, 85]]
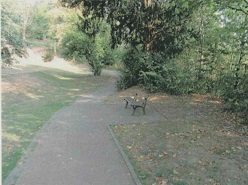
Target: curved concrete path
[[76, 148]]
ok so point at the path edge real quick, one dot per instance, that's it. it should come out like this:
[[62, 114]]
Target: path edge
[[127, 161]]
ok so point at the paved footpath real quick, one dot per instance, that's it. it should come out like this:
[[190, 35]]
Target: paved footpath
[[76, 148]]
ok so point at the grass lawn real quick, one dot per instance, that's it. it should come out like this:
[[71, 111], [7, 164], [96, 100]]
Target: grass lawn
[[29, 100], [40, 43], [197, 144]]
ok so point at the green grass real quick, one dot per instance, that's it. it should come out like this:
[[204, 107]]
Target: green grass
[[26, 109], [40, 43]]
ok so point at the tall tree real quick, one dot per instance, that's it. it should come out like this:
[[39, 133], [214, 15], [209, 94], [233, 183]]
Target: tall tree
[[25, 17]]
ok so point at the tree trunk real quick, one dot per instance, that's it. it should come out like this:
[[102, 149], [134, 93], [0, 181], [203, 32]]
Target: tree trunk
[[237, 75], [199, 75], [25, 23]]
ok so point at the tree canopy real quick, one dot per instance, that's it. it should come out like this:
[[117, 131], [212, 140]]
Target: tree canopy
[[152, 26]]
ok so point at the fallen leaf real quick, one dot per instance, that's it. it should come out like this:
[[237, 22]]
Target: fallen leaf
[[129, 147], [165, 153], [174, 155], [140, 158], [228, 152], [164, 182]]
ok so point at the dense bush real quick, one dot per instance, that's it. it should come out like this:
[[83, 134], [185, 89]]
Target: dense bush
[[235, 98], [6, 56], [72, 45], [154, 72], [95, 49], [130, 73], [49, 55], [11, 33]]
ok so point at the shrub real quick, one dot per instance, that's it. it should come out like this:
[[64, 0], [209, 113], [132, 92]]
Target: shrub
[[6, 54], [234, 98], [152, 71], [73, 44], [77, 45], [131, 70], [49, 54]]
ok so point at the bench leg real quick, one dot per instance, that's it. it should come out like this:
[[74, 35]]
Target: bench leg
[[134, 109], [126, 104]]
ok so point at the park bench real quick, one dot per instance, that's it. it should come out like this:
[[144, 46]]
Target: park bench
[[135, 103]]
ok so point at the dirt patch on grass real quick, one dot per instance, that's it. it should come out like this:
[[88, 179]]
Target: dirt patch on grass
[[20, 84], [198, 143]]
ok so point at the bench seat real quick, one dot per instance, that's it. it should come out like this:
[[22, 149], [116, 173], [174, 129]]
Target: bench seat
[[136, 103]]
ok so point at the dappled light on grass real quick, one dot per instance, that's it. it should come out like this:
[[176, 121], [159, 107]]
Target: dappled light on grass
[[74, 89], [62, 77], [33, 96], [22, 84], [10, 137]]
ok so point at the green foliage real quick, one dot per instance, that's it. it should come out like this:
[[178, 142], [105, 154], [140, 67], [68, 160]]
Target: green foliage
[[73, 44], [49, 54], [234, 98], [155, 26], [6, 56], [152, 71], [38, 26], [130, 73], [11, 36], [100, 55], [78, 45], [159, 75]]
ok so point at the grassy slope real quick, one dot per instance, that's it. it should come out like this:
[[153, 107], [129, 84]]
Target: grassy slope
[[30, 102]]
